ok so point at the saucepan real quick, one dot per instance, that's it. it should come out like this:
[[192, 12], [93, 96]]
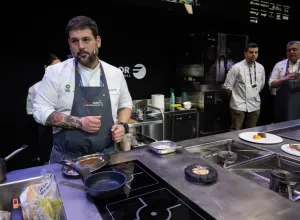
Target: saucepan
[[99, 185], [4, 160]]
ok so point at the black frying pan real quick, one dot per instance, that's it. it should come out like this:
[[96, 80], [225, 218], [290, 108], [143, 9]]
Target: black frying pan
[[4, 160], [99, 185]]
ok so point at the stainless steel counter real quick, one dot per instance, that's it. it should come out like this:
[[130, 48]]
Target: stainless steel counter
[[231, 197]]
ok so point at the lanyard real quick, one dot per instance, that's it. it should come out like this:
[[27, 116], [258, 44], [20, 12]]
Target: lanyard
[[254, 74], [80, 79], [287, 68]]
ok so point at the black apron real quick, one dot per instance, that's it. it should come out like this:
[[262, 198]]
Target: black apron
[[287, 101], [88, 101]]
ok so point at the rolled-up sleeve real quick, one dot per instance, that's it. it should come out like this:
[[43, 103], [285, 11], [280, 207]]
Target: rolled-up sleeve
[[230, 79], [125, 100], [46, 97], [274, 75]]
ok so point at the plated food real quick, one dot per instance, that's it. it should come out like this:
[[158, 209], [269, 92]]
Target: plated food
[[295, 147], [259, 135]]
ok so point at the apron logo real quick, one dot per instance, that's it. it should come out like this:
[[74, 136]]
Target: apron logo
[[99, 103], [67, 88]]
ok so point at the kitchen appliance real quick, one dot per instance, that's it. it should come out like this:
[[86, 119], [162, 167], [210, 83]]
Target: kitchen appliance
[[227, 153], [275, 172], [281, 182], [146, 196], [213, 109], [201, 72], [205, 58], [181, 125]]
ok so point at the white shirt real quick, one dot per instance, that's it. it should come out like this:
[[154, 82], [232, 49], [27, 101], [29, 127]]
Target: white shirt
[[54, 95], [30, 97], [279, 71], [244, 97]]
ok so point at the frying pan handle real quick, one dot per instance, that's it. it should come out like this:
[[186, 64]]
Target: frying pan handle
[[84, 173], [15, 152]]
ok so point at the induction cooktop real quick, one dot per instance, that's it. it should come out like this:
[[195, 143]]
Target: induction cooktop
[[146, 196]]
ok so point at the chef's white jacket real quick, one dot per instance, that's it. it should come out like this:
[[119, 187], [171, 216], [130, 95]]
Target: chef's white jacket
[[279, 72], [244, 97], [56, 91], [30, 97]]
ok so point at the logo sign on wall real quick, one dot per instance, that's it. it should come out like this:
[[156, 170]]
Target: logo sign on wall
[[138, 71]]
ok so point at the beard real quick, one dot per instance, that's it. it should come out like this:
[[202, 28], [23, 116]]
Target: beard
[[86, 58]]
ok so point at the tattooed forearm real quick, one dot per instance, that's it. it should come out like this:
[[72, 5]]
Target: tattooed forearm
[[58, 119]]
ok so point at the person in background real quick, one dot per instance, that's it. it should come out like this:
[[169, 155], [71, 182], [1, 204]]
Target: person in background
[[284, 79], [42, 134], [85, 99], [52, 59], [244, 82]]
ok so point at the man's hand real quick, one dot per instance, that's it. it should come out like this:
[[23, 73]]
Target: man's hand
[[91, 124], [291, 76], [118, 132]]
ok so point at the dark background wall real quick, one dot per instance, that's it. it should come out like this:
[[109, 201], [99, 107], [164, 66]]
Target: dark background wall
[[148, 32]]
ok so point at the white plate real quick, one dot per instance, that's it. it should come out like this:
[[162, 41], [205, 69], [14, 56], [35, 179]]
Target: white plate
[[286, 148], [270, 138]]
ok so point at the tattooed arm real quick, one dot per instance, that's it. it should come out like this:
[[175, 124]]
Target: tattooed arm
[[58, 119], [89, 124]]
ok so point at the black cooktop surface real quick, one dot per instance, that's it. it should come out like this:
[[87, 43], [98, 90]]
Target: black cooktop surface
[[146, 196]]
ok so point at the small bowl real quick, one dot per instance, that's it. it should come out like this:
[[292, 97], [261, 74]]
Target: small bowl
[[187, 105]]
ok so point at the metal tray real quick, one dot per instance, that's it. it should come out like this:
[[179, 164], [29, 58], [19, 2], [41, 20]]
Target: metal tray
[[92, 162], [164, 147]]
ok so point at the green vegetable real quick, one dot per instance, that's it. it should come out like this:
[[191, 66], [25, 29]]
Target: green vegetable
[[51, 208]]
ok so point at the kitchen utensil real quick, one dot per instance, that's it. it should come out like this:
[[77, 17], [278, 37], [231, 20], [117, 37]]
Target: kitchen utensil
[[270, 138], [164, 147], [125, 144], [3, 161], [187, 105], [99, 185], [16, 209], [73, 185], [92, 162]]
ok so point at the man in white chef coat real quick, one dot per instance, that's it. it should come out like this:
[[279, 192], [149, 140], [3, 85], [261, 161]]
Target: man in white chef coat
[[244, 82], [82, 97], [285, 79]]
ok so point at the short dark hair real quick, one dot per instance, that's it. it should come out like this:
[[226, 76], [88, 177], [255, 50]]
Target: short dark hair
[[50, 58], [82, 22], [251, 45]]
